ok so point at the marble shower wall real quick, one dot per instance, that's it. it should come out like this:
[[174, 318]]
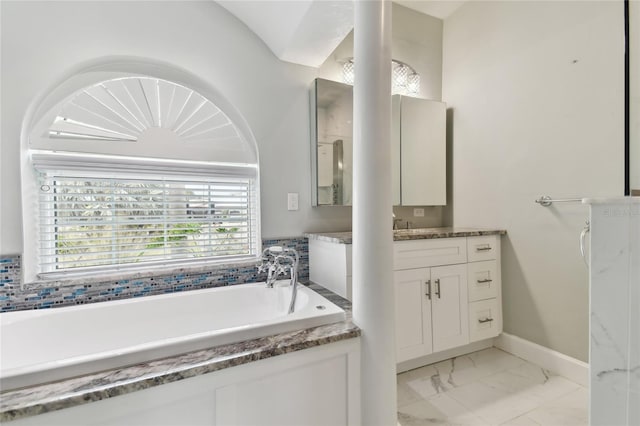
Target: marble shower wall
[[54, 294], [615, 312]]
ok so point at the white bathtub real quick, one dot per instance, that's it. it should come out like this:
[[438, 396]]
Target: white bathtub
[[43, 345]]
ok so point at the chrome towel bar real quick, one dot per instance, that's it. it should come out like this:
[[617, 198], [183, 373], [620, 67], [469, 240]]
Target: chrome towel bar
[[546, 201]]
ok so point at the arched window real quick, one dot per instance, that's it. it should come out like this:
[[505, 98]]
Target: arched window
[[139, 171]]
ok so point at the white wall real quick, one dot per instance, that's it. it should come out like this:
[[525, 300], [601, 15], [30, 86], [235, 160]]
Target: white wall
[[42, 40], [536, 92]]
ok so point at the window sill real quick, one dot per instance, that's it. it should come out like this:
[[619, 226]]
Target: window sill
[[78, 279]]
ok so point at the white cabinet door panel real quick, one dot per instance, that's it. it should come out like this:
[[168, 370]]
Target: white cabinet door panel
[[423, 152], [413, 314], [450, 316]]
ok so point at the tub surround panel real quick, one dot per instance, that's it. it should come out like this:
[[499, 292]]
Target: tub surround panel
[[409, 234], [48, 294], [94, 387], [615, 317]]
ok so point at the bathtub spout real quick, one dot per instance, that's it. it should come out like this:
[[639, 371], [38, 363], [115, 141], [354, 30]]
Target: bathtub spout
[[271, 276]]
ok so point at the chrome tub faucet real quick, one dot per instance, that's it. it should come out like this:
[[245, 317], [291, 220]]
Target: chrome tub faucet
[[276, 261]]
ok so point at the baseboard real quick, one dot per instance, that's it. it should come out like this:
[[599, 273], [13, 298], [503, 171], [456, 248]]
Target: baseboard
[[561, 364], [441, 356]]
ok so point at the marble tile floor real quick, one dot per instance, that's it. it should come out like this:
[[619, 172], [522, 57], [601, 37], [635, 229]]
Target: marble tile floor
[[489, 387]]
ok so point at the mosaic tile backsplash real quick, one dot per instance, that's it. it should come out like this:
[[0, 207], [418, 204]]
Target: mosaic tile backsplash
[[13, 298]]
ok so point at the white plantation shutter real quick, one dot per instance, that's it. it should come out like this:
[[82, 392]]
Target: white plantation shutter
[[122, 109], [96, 213]]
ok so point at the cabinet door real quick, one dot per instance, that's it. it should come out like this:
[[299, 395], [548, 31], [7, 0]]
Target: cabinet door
[[413, 314], [450, 315], [423, 152]]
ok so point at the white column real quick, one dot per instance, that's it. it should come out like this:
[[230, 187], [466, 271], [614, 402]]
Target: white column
[[373, 295]]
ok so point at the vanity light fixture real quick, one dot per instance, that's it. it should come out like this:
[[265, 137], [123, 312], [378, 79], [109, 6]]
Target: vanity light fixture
[[348, 71], [405, 80]]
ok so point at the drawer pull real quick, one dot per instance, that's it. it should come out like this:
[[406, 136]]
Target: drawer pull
[[483, 248], [482, 321], [486, 280], [428, 293], [438, 288]]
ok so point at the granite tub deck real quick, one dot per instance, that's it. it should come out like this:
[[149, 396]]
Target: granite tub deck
[[34, 400], [409, 234]]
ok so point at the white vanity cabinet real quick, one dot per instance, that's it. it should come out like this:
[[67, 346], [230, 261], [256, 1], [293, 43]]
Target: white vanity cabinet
[[330, 266], [447, 290], [441, 291]]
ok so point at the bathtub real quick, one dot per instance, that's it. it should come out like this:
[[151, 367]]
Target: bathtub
[[39, 346]]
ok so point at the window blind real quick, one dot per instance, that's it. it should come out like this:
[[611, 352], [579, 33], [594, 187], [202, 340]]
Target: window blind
[[89, 222]]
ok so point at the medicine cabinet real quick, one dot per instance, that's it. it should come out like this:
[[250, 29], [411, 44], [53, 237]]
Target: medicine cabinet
[[418, 141]]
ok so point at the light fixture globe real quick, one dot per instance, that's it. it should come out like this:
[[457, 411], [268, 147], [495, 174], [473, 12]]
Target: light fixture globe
[[404, 79], [348, 72]]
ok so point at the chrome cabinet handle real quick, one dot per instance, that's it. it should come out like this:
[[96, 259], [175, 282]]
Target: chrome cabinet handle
[[482, 321], [483, 248], [428, 293], [438, 288], [583, 236], [486, 280]]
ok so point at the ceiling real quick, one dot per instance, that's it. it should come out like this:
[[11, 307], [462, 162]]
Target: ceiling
[[306, 32]]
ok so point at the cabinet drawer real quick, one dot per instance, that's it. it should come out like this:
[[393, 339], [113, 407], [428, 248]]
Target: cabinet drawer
[[483, 280], [485, 320], [425, 253], [482, 248]]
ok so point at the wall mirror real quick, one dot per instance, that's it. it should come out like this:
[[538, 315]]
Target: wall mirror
[[418, 147], [332, 143]]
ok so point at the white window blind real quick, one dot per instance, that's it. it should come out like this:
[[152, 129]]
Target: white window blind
[[92, 220]]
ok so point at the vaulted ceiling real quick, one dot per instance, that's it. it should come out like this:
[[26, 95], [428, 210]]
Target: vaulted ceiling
[[306, 32]]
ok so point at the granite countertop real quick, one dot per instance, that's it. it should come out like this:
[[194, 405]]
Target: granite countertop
[[409, 234], [39, 399]]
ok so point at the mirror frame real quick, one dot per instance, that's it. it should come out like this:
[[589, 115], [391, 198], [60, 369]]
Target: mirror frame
[[627, 103], [630, 51]]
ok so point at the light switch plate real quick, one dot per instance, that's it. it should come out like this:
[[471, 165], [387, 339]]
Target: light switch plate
[[418, 212], [292, 201]]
